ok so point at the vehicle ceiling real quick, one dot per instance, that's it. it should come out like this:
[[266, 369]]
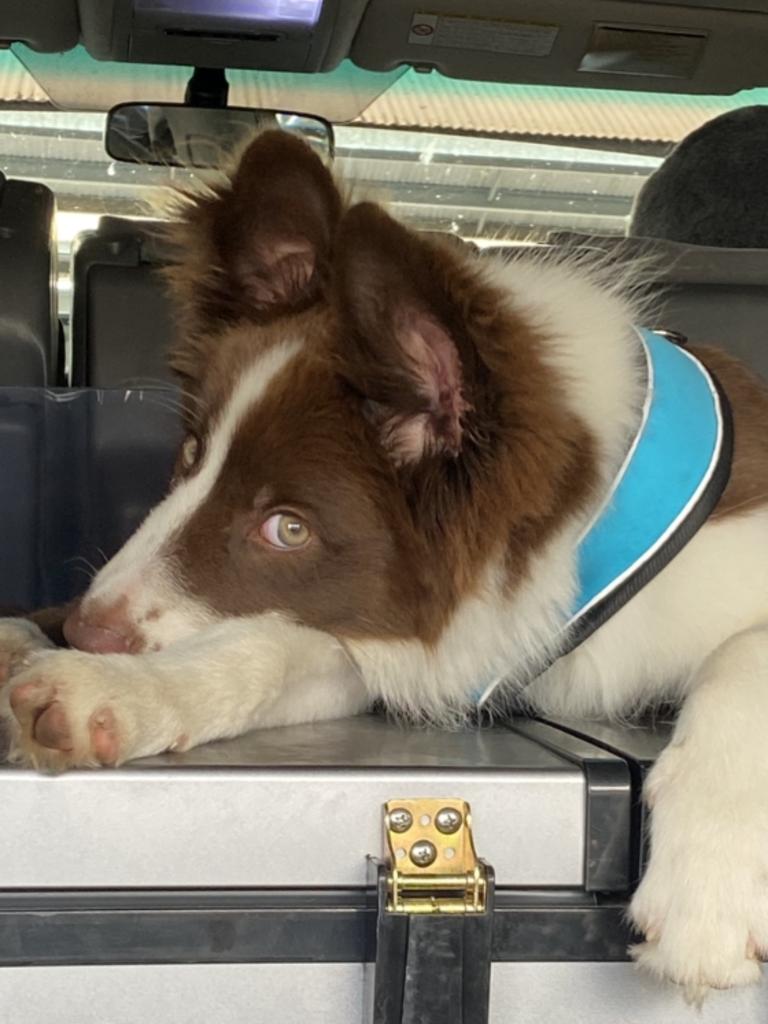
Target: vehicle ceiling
[[637, 71]]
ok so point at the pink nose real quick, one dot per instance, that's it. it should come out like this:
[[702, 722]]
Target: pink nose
[[102, 629]]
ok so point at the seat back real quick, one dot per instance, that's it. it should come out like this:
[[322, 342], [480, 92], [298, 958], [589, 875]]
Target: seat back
[[713, 296], [121, 317], [30, 349]]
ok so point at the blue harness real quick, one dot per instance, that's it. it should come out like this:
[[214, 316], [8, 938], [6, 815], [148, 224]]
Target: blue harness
[[671, 480]]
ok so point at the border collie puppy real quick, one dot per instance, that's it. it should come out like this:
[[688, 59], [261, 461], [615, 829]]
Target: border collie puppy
[[405, 478]]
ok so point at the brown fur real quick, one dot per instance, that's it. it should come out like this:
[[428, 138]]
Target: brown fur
[[395, 547], [226, 270], [397, 542], [748, 396]]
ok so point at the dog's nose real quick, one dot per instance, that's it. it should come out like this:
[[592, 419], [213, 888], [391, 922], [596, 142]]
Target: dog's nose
[[102, 629]]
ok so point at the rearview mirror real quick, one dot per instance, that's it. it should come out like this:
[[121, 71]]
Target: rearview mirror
[[176, 135]]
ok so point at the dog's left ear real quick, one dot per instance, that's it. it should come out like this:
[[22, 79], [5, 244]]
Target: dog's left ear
[[407, 348], [255, 247]]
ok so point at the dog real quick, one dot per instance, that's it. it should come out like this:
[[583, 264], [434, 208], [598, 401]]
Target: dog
[[393, 450]]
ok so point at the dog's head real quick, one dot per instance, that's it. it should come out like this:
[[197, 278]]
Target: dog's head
[[368, 423]]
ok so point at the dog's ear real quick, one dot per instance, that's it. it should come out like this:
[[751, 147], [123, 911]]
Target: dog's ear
[[406, 344], [259, 246]]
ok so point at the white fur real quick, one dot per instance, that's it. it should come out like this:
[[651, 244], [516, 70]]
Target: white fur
[[490, 637], [589, 340], [232, 676], [21, 643], [651, 649], [138, 571], [699, 630], [703, 903]]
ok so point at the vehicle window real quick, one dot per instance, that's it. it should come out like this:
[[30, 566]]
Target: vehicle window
[[487, 190]]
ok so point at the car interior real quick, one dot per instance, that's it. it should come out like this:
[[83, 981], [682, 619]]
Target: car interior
[[237, 881]]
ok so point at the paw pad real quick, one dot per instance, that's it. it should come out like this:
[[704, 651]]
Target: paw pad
[[51, 728]]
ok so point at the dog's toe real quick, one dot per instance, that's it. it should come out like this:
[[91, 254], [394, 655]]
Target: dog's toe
[[51, 728]]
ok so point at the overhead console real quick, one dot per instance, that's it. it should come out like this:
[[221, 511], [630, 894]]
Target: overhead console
[[685, 46], [691, 46], [271, 35]]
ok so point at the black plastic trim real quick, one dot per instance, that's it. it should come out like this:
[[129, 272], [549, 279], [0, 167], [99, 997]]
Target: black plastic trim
[[432, 968], [116, 243], [608, 855], [292, 926], [91, 250], [626, 744]]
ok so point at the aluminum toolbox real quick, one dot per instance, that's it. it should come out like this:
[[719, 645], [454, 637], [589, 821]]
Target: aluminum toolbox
[[243, 881]]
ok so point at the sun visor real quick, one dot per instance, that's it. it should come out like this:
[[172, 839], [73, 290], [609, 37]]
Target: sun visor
[[76, 81], [691, 46], [276, 35], [46, 27]]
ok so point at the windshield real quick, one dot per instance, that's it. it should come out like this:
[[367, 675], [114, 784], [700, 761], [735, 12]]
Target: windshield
[[489, 190]]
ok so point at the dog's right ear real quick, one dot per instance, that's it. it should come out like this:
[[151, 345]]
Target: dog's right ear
[[259, 246]]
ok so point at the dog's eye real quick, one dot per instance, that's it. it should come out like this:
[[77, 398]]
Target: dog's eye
[[285, 531], [190, 452]]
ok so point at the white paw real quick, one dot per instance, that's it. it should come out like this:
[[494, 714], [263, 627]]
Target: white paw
[[21, 642], [703, 903], [82, 710]]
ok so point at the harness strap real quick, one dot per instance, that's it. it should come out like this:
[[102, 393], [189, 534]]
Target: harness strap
[[675, 472]]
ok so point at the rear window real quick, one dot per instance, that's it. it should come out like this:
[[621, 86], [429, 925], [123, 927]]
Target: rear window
[[490, 190]]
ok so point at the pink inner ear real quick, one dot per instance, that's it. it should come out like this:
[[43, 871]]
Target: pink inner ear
[[280, 272], [433, 359], [298, 248]]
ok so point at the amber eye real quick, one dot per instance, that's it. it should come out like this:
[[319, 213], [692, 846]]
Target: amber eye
[[285, 531], [190, 452]]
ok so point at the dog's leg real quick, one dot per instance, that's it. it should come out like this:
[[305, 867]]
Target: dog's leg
[[51, 621], [71, 708], [21, 642], [23, 637], [703, 904]]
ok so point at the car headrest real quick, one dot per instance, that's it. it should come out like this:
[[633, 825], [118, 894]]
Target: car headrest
[[712, 189]]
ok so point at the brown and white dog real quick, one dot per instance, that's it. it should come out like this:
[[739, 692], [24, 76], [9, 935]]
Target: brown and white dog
[[392, 450]]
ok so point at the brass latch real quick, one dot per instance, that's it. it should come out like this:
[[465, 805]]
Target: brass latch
[[433, 867]]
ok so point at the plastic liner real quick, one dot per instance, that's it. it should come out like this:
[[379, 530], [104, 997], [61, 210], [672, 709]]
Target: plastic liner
[[79, 470]]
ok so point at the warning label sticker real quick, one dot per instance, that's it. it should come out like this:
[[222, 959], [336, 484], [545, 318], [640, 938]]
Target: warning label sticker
[[490, 34]]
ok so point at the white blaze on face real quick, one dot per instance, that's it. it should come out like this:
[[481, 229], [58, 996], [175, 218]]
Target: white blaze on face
[[140, 574]]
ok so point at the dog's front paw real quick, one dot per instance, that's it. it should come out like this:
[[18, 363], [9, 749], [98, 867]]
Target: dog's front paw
[[21, 642], [697, 941], [61, 714], [77, 710], [703, 903]]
